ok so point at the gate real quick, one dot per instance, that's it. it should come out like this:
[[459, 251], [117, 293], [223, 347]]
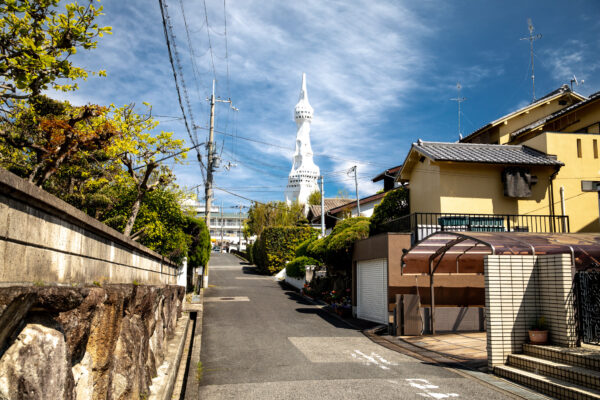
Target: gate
[[588, 306]]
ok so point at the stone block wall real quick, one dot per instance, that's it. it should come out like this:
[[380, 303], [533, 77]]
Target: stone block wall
[[519, 290], [84, 343], [43, 239]]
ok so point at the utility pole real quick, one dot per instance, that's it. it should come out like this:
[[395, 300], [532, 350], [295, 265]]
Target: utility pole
[[240, 230], [222, 226], [210, 166], [532, 38], [459, 100], [356, 188], [322, 208]]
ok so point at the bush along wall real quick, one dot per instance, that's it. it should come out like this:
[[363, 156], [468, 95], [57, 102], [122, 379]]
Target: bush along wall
[[297, 267], [277, 245]]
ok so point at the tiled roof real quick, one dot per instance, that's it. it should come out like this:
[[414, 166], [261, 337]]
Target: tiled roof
[[484, 153], [561, 90], [390, 171], [314, 211], [364, 200], [557, 114]]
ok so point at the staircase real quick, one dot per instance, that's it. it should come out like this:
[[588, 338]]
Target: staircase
[[563, 373]]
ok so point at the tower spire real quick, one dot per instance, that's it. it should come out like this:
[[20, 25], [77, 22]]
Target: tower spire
[[302, 180]]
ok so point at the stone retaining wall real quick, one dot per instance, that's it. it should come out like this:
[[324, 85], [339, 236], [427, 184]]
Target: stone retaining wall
[[84, 343]]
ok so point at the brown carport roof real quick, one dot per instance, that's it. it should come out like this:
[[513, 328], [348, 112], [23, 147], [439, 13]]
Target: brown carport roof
[[464, 252]]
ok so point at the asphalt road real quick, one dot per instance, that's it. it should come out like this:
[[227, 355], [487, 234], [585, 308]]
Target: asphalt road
[[261, 341]]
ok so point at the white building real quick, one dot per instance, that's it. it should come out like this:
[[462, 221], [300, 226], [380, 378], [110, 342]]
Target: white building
[[229, 224], [303, 177]]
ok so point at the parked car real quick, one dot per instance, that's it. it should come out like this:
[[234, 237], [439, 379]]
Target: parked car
[[216, 249]]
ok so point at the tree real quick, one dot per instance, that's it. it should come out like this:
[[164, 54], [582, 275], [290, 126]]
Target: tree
[[275, 213], [138, 150], [45, 135], [393, 206], [199, 252], [36, 42], [315, 198]]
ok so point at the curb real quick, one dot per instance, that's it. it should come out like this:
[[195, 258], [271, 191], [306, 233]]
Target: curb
[[167, 391], [191, 388]]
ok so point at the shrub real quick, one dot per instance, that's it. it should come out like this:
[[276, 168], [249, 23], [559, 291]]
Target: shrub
[[249, 253], [297, 267], [394, 205], [336, 249], [302, 249], [341, 242], [277, 245]]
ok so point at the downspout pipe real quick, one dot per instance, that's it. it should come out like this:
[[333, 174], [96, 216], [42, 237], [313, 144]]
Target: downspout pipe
[[563, 210], [552, 213]]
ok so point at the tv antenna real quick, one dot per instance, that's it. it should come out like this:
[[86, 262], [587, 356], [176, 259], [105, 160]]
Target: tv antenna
[[459, 100], [577, 83], [532, 38]]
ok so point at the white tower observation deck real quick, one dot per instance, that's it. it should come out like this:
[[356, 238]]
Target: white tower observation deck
[[304, 174]]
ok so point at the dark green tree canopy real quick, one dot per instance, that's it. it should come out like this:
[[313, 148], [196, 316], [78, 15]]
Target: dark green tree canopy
[[393, 206]]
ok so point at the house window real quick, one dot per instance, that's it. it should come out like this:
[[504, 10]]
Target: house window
[[595, 143], [578, 148]]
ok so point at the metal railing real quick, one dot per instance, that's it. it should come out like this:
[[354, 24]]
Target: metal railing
[[422, 225]]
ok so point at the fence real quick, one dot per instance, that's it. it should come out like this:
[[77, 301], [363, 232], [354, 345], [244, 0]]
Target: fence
[[421, 225]]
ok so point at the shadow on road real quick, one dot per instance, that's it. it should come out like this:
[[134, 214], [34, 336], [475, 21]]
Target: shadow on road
[[325, 315], [251, 270]]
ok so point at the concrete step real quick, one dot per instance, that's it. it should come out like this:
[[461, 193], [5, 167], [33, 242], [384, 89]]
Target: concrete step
[[547, 385], [586, 357], [577, 375]]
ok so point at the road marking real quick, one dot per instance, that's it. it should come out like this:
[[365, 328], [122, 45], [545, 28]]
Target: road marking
[[253, 277], [423, 384], [225, 299], [374, 359]]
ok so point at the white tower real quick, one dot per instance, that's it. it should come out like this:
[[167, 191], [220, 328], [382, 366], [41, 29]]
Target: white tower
[[304, 174]]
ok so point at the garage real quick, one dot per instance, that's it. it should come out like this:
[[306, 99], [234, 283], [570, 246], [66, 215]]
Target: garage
[[372, 284]]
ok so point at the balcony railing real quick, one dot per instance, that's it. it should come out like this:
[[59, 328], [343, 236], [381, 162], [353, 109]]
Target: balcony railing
[[422, 225]]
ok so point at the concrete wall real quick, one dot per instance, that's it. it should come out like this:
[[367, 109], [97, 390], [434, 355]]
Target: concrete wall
[[45, 240], [519, 290]]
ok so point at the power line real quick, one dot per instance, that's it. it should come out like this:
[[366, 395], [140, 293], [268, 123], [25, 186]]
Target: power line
[[226, 47], [176, 68], [212, 58], [192, 52]]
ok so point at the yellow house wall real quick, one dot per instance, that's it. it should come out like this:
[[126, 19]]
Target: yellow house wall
[[424, 187], [581, 207], [472, 188]]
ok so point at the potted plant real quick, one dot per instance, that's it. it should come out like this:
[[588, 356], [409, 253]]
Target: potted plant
[[538, 334]]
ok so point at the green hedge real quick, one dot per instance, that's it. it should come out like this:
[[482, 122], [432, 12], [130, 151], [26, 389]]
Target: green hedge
[[277, 245], [336, 249], [297, 267], [249, 253]]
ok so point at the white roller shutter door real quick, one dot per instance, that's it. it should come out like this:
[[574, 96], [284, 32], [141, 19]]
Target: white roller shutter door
[[372, 290]]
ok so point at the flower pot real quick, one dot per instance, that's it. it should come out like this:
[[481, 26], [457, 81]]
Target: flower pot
[[538, 337]]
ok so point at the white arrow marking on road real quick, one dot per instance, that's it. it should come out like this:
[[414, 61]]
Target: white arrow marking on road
[[425, 385], [374, 358]]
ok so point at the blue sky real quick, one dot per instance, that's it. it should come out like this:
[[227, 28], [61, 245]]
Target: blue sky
[[380, 75]]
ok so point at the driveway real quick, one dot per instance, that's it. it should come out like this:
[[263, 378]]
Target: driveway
[[262, 341]]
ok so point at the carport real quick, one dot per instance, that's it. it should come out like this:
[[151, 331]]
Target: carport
[[526, 275]]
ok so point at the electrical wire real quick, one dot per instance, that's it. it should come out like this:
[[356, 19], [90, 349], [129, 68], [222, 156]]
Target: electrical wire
[[212, 58]]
